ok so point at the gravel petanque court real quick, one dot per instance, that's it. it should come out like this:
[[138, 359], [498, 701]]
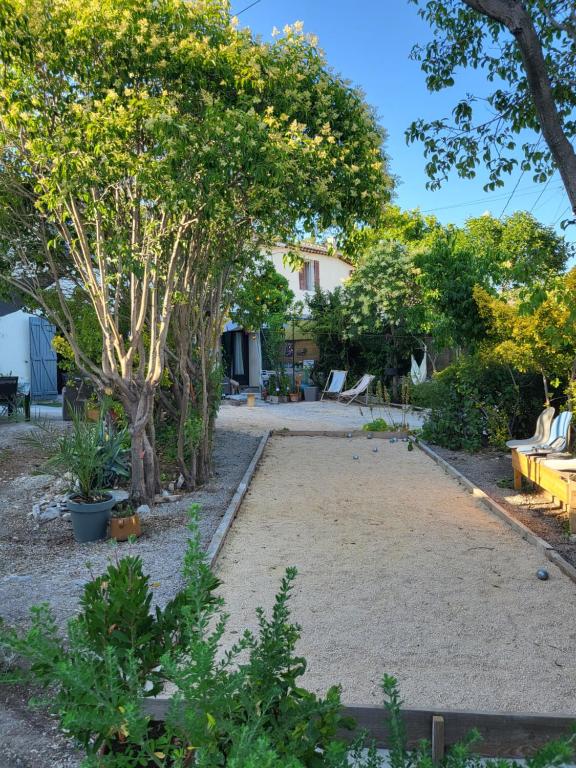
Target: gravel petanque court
[[400, 571]]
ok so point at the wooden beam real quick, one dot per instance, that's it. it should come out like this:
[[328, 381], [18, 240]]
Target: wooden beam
[[502, 734]]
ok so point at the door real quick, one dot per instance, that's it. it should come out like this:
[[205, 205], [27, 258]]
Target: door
[[43, 371]]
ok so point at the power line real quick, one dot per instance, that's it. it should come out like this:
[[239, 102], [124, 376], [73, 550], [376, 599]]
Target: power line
[[541, 193], [564, 212], [518, 182], [247, 7], [511, 194], [486, 200]]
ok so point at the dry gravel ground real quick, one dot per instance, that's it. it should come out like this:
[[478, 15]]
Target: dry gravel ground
[[43, 563], [400, 571]]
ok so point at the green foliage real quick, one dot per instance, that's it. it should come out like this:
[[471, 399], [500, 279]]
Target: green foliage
[[263, 294], [94, 455], [167, 438], [477, 402], [273, 339], [377, 425], [464, 37]]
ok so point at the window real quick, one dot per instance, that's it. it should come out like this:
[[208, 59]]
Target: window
[[309, 275]]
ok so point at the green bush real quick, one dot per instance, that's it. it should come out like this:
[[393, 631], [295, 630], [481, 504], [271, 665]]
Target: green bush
[[475, 403], [428, 394], [378, 425]]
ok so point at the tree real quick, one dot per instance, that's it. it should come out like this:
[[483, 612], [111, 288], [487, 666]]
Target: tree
[[147, 148], [263, 293], [540, 339], [528, 50], [517, 250]]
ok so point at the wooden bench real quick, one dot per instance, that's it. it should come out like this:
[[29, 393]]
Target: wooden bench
[[561, 485]]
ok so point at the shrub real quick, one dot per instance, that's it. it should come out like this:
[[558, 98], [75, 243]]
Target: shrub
[[475, 402], [378, 425]]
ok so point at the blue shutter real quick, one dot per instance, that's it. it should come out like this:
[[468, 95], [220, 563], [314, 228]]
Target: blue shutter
[[43, 368]]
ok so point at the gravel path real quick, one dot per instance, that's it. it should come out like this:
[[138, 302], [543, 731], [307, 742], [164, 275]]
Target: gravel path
[[400, 571], [44, 563]]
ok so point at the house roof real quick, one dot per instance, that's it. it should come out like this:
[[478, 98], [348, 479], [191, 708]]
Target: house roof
[[319, 249]]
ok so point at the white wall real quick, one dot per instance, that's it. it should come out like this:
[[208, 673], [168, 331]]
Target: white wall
[[333, 272], [15, 345]]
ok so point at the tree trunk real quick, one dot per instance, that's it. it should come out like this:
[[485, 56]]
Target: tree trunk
[[518, 20], [143, 460]]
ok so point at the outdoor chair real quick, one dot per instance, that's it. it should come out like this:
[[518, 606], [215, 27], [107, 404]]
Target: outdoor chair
[[334, 383], [558, 439], [358, 389], [542, 432], [8, 395]]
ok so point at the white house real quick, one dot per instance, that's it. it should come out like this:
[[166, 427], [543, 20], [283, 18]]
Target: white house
[[26, 350], [324, 268]]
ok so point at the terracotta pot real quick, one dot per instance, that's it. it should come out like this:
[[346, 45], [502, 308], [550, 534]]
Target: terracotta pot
[[294, 397], [121, 528], [93, 414]]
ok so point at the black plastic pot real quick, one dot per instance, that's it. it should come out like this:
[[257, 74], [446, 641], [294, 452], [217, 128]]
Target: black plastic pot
[[90, 521]]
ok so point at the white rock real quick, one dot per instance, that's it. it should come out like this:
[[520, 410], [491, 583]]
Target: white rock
[[67, 516], [143, 509], [180, 482], [51, 513], [171, 487], [165, 492]]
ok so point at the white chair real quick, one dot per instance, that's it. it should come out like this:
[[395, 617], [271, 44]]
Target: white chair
[[334, 383], [358, 389], [558, 439], [542, 432]]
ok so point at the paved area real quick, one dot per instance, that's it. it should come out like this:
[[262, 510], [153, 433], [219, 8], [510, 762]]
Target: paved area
[[325, 414], [400, 571]]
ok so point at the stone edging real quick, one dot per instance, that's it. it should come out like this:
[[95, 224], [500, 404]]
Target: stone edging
[[497, 509], [221, 532]]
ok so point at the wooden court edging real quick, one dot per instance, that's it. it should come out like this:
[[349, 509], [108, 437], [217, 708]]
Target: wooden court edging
[[543, 546], [220, 534], [338, 433], [502, 734]]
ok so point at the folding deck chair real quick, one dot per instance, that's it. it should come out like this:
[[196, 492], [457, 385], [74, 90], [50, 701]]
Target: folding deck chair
[[358, 389], [334, 383]]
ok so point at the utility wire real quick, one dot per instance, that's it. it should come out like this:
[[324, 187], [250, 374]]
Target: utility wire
[[518, 182], [486, 200], [247, 7], [541, 193]]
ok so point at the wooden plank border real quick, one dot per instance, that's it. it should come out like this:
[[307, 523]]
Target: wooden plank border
[[502, 734], [221, 532], [497, 509], [338, 433]]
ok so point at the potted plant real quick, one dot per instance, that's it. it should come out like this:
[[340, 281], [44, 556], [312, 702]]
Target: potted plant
[[124, 523], [88, 456], [93, 408]]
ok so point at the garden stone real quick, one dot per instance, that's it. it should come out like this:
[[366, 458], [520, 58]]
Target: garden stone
[[67, 516], [120, 495], [180, 482], [50, 513], [143, 509], [36, 511], [171, 487]]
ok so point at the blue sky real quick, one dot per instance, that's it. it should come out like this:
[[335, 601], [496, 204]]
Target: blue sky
[[369, 42]]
